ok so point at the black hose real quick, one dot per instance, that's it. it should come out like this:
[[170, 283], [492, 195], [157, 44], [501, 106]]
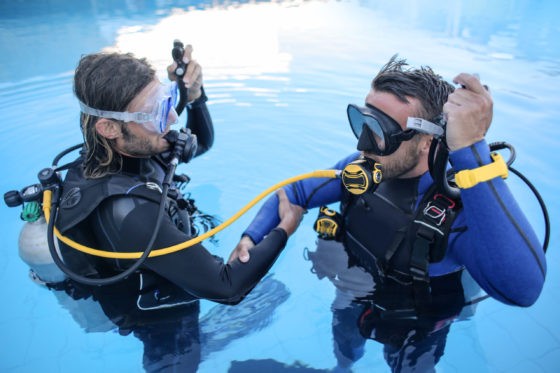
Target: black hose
[[109, 280], [541, 203], [64, 153]]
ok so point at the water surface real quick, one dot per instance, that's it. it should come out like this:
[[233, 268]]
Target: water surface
[[279, 76]]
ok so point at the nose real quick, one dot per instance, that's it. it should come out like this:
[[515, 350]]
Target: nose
[[172, 117]]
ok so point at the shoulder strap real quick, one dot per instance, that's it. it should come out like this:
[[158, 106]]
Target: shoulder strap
[[432, 224], [81, 196]]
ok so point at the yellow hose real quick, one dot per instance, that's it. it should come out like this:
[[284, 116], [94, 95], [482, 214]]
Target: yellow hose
[[47, 197]]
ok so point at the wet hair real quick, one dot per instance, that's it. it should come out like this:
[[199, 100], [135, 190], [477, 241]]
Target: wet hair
[[403, 81], [107, 81]]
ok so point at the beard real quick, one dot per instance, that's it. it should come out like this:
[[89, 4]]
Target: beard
[[135, 146], [402, 161]]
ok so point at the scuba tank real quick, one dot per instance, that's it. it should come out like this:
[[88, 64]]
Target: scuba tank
[[33, 247]]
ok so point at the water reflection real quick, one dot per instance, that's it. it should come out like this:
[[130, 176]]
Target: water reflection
[[174, 339], [363, 309], [322, 55]]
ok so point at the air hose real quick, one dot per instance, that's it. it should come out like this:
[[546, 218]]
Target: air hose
[[47, 199]]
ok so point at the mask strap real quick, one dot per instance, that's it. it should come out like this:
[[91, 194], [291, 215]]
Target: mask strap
[[425, 126]]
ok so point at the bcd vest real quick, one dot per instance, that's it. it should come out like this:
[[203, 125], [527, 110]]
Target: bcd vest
[[81, 196], [394, 237]]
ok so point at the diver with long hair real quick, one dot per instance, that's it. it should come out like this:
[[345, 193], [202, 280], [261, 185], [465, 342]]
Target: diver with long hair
[[122, 195]]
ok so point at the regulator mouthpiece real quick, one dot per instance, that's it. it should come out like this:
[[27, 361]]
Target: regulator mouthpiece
[[361, 176], [184, 145]]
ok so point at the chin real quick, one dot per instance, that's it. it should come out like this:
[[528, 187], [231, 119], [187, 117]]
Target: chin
[[371, 156]]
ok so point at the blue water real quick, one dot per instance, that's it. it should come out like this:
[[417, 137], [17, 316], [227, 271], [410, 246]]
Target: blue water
[[279, 76]]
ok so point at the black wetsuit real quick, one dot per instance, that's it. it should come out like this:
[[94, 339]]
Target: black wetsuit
[[123, 221]]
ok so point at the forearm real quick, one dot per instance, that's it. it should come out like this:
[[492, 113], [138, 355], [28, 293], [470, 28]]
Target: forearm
[[211, 279], [200, 123], [500, 248], [244, 276]]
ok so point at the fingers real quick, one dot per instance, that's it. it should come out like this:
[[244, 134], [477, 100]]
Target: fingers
[[471, 82], [187, 55], [193, 69], [472, 91], [241, 253], [469, 112], [171, 71], [282, 197], [193, 75], [193, 80]]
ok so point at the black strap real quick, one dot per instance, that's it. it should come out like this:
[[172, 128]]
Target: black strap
[[433, 221], [399, 237]]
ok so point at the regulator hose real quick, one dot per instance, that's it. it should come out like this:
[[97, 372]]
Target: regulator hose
[[47, 198]]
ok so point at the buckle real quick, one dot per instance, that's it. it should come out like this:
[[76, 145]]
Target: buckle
[[153, 186], [437, 208]]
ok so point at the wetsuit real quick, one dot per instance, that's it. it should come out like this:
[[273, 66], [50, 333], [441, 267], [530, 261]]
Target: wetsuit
[[490, 236], [117, 213]]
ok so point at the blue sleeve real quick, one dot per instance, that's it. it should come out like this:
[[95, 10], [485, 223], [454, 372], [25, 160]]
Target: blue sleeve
[[308, 193], [499, 248]]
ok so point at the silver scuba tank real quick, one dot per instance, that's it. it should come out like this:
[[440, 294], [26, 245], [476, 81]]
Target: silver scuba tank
[[34, 251]]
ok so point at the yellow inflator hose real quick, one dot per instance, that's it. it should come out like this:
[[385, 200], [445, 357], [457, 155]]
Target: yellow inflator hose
[[47, 197]]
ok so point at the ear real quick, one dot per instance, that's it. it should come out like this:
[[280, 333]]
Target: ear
[[108, 128], [425, 143]]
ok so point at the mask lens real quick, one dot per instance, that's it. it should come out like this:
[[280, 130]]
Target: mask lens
[[167, 107], [356, 120], [360, 121]]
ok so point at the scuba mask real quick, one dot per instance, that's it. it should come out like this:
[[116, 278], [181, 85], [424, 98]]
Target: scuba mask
[[156, 120], [376, 132]]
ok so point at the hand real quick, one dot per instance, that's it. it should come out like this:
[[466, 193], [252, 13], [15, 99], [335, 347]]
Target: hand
[[290, 217], [241, 251], [468, 111], [192, 77], [290, 214]]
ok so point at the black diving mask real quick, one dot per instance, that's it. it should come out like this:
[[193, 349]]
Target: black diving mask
[[377, 132]]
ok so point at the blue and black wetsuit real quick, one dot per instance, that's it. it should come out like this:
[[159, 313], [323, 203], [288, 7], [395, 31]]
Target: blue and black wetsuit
[[490, 237]]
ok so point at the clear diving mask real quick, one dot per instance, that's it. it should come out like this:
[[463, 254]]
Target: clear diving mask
[[156, 120]]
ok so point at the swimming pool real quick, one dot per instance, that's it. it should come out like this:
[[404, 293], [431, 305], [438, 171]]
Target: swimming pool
[[279, 76]]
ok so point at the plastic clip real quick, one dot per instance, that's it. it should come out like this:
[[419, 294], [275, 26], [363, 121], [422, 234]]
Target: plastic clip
[[469, 178]]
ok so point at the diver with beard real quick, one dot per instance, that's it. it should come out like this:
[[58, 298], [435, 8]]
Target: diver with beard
[[409, 238], [400, 226], [122, 195]]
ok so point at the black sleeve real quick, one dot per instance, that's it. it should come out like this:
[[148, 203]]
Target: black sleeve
[[200, 123], [206, 276], [126, 224]]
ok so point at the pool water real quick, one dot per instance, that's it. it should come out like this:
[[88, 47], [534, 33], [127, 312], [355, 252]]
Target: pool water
[[279, 76]]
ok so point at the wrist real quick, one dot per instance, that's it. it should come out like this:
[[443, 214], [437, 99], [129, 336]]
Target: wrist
[[470, 157], [458, 145], [246, 239], [198, 101]]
